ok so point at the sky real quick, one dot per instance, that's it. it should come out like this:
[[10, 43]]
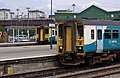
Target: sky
[[45, 5]]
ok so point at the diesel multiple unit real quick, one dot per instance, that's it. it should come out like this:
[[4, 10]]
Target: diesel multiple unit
[[88, 41], [45, 34]]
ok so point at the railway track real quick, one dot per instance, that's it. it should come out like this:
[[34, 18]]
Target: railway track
[[94, 73], [71, 72], [83, 71]]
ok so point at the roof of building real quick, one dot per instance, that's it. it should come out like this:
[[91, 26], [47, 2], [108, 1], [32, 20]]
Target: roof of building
[[93, 12], [64, 10], [3, 9], [36, 11]]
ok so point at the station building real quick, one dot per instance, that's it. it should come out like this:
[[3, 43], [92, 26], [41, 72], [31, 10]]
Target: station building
[[92, 13]]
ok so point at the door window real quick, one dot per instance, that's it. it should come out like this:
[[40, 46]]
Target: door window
[[99, 33]]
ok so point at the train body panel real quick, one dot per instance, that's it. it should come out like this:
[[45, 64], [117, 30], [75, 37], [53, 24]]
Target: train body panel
[[89, 40], [100, 44], [112, 38]]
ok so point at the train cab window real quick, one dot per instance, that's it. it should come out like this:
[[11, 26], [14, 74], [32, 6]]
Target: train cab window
[[107, 34], [60, 30], [115, 34], [46, 30], [80, 31], [92, 34], [38, 30], [99, 33]]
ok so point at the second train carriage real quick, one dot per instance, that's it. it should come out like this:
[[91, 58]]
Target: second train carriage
[[87, 41], [43, 35]]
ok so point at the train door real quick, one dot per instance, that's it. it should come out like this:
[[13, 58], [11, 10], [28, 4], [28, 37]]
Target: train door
[[41, 34], [68, 38], [99, 38]]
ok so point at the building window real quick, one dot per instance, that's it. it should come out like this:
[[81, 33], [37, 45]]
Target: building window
[[92, 34], [115, 34], [107, 34], [99, 33], [6, 15]]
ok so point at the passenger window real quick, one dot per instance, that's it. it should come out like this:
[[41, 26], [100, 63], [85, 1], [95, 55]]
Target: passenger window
[[99, 32], [115, 34], [92, 34], [107, 34]]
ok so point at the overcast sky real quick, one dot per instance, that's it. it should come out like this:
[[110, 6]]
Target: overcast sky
[[44, 5]]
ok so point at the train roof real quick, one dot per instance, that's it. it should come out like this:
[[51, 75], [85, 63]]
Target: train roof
[[101, 22], [96, 22]]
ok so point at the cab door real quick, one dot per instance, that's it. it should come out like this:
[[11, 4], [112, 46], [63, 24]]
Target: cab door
[[99, 38], [68, 38]]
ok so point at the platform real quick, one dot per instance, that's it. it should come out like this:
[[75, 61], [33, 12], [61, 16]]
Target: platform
[[17, 44], [23, 52]]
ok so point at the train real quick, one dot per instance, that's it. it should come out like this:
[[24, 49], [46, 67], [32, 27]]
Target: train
[[87, 41], [43, 34]]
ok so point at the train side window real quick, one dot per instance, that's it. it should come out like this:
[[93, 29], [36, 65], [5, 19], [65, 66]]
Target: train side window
[[115, 34], [38, 30], [107, 34], [92, 34]]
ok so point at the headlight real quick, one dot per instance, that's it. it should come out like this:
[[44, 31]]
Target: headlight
[[80, 48], [60, 47]]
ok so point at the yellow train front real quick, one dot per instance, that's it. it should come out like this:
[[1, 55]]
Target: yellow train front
[[42, 35], [70, 42]]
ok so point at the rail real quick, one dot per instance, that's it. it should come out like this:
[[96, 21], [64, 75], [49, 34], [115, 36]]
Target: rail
[[94, 73]]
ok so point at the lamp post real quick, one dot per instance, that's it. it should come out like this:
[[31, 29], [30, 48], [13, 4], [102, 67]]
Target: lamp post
[[28, 21], [17, 29], [11, 26], [73, 5], [51, 28]]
